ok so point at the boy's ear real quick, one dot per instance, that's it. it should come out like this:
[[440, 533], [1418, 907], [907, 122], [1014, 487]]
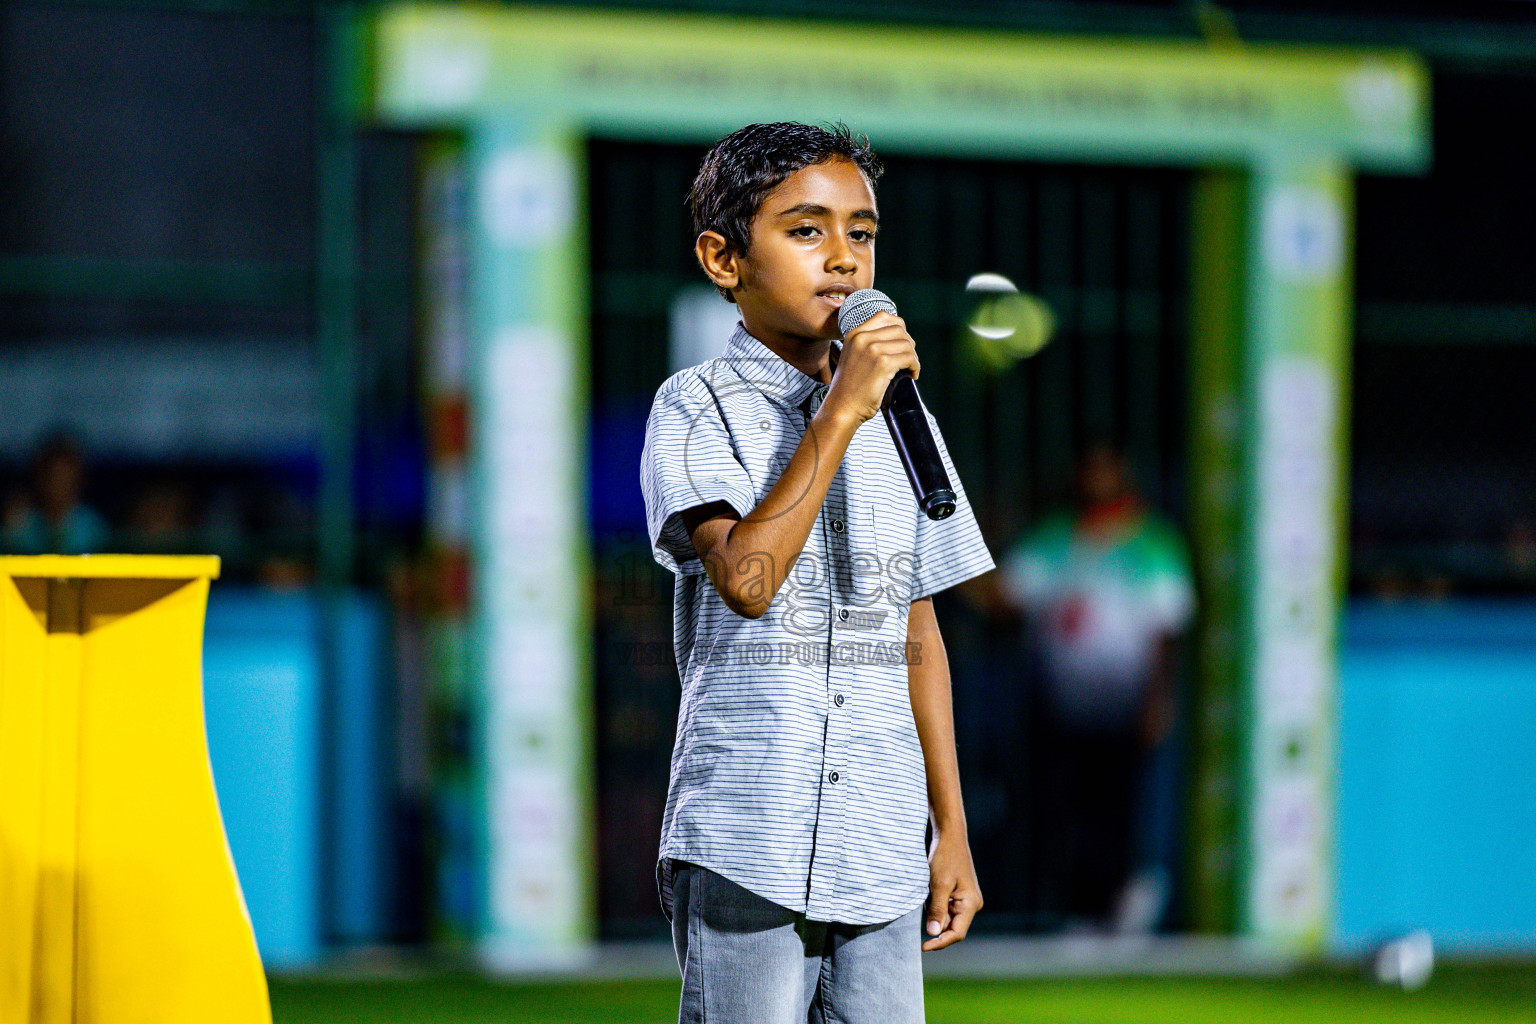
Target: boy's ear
[[718, 259]]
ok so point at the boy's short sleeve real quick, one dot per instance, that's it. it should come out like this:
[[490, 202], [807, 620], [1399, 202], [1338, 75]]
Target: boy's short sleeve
[[950, 550], [688, 460]]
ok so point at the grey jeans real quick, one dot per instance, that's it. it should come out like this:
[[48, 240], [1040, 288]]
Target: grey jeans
[[747, 960]]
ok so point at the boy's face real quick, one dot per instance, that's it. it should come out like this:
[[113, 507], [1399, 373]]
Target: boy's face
[[813, 244]]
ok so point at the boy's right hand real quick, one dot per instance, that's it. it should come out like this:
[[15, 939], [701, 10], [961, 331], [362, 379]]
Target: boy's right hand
[[873, 353]]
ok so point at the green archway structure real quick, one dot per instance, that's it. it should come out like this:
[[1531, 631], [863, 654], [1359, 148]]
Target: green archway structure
[[1277, 133]]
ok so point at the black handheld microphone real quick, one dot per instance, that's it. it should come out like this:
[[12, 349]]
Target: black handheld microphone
[[903, 412]]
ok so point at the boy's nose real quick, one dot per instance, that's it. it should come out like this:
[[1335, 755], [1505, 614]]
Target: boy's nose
[[841, 258]]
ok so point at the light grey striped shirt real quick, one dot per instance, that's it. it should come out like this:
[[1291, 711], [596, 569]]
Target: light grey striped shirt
[[797, 771]]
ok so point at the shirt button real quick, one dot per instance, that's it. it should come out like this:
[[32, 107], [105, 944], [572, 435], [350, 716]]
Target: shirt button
[[832, 777], [842, 613], [837, 526], [838, 700]]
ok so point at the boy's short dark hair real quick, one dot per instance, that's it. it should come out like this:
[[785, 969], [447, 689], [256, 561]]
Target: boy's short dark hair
[[737, 174]]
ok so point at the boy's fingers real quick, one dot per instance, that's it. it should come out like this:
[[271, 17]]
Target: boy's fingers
[[960, 920], [879, 325], [953, 915], [878, 342], [948, 937], [959, 924], [938, 908]]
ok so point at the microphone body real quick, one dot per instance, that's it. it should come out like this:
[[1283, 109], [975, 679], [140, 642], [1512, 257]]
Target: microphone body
[[903, 412]]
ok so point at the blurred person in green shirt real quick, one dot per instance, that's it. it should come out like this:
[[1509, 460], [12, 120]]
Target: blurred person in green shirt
[[1105, 589]]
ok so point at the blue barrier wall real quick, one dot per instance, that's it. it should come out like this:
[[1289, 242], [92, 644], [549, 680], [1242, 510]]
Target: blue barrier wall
[[1437, 774], [308, 832], [261, 695]]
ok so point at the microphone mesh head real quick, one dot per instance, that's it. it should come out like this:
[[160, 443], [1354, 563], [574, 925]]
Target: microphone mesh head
[[862, 305]]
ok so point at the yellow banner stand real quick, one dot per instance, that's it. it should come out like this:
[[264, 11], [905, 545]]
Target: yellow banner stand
[[118, 899]]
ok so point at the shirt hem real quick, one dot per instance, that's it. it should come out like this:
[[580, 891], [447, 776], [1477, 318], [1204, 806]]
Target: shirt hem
[[728, 874]]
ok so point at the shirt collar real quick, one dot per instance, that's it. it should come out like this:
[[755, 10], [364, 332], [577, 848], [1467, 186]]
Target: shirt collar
[[771, 374]]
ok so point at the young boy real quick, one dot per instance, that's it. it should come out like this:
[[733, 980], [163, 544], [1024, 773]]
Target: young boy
[[815, 735]]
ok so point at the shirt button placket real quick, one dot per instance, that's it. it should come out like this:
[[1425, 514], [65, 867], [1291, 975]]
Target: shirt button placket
[[831, 819], [832, 810]]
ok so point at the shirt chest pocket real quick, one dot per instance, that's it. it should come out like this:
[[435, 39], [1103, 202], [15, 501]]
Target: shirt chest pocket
[[767, 441], [856, 558]]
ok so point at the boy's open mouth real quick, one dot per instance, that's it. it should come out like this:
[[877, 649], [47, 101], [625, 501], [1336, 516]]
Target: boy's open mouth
[[836, 295]]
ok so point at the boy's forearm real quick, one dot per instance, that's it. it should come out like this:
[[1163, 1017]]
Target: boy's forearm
[[752, 561], [933, 712]]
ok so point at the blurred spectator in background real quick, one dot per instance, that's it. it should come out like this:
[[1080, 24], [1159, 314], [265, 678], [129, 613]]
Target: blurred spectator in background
[[1520, 550], [1105, 589], [161, 520], [51, 518]]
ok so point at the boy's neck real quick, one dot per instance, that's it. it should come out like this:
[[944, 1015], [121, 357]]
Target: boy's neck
[[814, 357]]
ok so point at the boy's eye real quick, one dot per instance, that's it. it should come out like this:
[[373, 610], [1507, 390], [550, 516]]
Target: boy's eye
[[803, 231], [862, 235]]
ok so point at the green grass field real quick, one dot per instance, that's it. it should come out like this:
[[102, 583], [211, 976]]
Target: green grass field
[[1457, 994]]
